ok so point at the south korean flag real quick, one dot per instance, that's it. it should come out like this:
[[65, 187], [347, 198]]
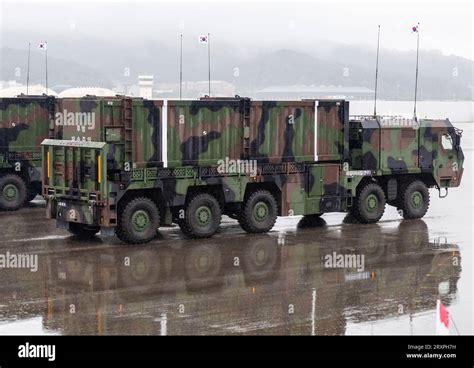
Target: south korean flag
[[204, 39]]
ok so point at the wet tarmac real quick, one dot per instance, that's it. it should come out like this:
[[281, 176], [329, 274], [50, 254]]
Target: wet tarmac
[[312, 277]]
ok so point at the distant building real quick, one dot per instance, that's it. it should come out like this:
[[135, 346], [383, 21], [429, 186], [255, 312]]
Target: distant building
[[82, 91], [16, 89], [145, 85], [308, 92], [195, 89]]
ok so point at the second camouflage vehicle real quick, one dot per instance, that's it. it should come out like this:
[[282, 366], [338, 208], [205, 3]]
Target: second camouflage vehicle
[[146, 163], [24, 123]]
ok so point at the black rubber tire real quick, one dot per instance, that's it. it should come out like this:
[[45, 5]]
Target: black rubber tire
[[360, 210], [83, 231], [190, 225], [125, 230], [246, 218], [410, 211], [21, 192]]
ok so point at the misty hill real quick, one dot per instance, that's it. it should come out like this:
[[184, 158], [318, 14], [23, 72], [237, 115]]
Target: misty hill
[[61, 71], [93, 62]]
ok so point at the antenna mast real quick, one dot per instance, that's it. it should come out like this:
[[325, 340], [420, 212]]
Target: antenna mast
[[376, 71]]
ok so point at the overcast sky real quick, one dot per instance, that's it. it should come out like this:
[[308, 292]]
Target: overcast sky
[[445, 25]]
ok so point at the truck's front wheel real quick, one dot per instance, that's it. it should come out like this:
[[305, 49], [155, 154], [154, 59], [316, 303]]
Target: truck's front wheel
[[12, 192], [138, 222], [414, 200], [369, 205]]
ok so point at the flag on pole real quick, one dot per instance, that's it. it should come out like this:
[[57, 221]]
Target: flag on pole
[[442, 319], [414, 29], [204, 39], [43, 46]]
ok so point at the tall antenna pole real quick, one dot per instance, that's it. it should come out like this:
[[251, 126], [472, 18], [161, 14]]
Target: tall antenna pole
[[376, 71], [46, 57], [416, 74], [181, 69], [209, 61], [28, 68]]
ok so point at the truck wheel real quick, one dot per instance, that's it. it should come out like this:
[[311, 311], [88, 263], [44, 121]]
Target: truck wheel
[[414, 200], [138, 221], [202, 216], [369, 205], [259, 212], [83, 231], [12, 192]]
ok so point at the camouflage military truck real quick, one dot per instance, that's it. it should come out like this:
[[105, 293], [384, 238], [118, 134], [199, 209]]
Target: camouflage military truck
[[24, 123], [146, 163]]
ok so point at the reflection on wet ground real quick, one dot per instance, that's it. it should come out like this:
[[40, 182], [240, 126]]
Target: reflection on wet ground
[[315, 279]]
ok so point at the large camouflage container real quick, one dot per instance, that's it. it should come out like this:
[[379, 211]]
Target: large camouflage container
[[204, 131], [112, 120], [155, 133], [298, 130], [200, 133], [24, 123]]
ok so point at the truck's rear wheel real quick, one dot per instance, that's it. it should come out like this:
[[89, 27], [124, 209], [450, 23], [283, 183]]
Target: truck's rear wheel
[[259, 212], [12, 192], [202, 216], [369, 205], [83, 231], [414, 200], [138, 221]]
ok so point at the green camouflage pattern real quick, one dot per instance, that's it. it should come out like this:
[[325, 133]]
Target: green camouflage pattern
[[24, 123]]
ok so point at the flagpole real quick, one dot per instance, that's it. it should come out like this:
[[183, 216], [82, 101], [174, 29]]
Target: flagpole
[[376, 71], [416, 74], [46, 57], [181, 68], [28, 68], [209, 61]]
